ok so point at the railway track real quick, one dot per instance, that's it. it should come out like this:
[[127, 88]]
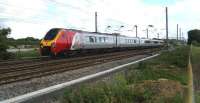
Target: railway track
[[22, 61], [19, 72]]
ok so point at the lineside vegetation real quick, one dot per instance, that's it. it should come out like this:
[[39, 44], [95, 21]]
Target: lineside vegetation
[[160, 80]]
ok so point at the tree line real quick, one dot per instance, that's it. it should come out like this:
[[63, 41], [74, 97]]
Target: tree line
[[23, 41]]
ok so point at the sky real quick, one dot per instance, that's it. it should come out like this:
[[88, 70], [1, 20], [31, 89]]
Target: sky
[[33, 18]]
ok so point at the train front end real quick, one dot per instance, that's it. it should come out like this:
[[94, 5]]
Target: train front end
[[48, 43]]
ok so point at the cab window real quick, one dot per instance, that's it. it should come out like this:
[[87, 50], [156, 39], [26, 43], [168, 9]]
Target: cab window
[[51, 34]]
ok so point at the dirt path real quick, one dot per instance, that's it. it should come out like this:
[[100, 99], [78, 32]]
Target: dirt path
[[190, 90]]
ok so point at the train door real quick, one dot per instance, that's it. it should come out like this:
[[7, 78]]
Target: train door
[[60, 42], [69, 39], [64, 41]]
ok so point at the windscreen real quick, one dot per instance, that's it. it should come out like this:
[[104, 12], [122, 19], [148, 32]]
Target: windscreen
[[51, 34]]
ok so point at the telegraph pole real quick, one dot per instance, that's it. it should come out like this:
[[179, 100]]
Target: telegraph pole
[[147, 33], [166, 10], [96, 22], [182, 37], [136, 30], [177, 31], [180, 33], [158, 35]]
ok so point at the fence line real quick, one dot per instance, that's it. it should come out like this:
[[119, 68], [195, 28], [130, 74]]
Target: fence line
[[190, 90]]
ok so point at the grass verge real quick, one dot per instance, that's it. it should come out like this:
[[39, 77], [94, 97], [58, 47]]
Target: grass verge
[[158, 80], [26, 54]]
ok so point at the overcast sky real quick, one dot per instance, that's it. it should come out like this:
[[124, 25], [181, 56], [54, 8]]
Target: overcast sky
[[35, 17]]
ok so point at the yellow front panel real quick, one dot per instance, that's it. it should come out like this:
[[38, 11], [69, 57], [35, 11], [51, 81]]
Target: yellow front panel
[[45, 43], [49, 42]]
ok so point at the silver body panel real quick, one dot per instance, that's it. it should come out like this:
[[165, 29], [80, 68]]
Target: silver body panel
[[96, 41]]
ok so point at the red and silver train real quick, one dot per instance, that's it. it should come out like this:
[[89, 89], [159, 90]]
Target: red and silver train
[[63, 41]]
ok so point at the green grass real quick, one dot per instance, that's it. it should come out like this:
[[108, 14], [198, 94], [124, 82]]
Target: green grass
[[197, 97], [178, 58], [169, 65], [151, 73], [26, 54], [195, 54], [195, 58], [114, 92]]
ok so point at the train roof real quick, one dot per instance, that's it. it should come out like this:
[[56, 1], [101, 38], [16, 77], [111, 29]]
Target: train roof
[[81, 31], [152, 39]]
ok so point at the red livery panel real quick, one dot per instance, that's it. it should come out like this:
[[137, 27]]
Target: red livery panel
[[63, 42]]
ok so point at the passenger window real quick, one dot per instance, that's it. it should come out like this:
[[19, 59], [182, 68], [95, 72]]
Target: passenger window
[[101, 39], [92, 39], [95, 39], [147, 42], [105, 39]]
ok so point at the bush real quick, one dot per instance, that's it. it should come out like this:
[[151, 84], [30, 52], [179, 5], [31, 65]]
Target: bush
[[193, 35], [3, 43], [6, 55], [178, 57], [115, 92], [195, 43]]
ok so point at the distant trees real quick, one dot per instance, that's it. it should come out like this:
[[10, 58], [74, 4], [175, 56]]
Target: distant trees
[[4, 32], [194, 37], [23, 41]]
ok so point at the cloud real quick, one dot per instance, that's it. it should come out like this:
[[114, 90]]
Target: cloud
[[22, 9], [36, 17]]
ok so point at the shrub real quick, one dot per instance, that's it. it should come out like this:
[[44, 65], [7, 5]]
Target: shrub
[[177, 57], [6, 55]]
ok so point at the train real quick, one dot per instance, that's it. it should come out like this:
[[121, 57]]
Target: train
[[59, 41]]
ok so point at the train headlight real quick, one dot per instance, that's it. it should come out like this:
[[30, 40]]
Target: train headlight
[[53, 45]]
